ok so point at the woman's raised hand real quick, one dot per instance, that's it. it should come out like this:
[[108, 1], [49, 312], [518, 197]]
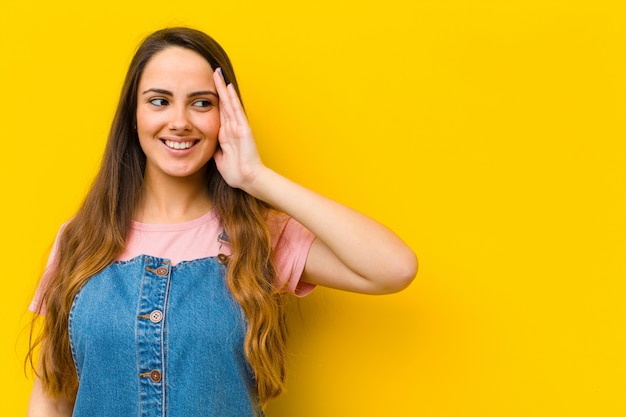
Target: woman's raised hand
[[237, 158]]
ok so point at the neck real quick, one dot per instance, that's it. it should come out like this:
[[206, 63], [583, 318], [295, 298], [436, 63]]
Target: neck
[[168, 200]]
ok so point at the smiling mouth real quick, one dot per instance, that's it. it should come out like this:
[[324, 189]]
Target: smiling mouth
[[179, 145]]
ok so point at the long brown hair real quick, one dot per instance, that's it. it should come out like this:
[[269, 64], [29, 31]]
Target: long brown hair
[[97, 233]]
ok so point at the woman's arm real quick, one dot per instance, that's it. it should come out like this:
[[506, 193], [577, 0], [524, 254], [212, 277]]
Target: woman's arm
[[352, 252], [41, 405]]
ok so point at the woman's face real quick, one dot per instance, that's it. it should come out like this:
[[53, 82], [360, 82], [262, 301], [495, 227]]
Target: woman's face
[[177, 114]]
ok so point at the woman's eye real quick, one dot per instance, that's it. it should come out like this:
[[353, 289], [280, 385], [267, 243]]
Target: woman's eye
[[205, 104], [159, 102]]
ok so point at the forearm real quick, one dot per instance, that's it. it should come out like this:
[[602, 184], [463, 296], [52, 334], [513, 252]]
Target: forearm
[[366, 247]]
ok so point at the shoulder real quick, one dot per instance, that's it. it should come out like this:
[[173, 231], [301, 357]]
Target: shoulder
[[291, 242], [284, 229], [288, 235], [276, 222]]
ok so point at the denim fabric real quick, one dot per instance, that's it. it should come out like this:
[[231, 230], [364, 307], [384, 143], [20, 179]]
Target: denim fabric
[[151, 339]]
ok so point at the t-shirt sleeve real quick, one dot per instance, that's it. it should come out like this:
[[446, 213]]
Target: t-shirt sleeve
[[291, 242], [37, 305]]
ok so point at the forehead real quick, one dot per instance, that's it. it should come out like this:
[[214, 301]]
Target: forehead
[[177, 65]]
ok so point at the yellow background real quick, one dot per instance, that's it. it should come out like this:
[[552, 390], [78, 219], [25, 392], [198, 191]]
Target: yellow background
[[489, 134]]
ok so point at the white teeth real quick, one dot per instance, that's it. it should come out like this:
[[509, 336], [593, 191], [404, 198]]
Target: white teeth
[[178, 145]]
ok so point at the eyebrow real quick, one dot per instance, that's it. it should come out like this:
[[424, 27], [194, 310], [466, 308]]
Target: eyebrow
[[169, 93]]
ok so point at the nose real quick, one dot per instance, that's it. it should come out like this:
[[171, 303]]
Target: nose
[[179, 121]]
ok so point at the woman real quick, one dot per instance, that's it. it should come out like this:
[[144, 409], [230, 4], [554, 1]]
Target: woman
[[164, 293]]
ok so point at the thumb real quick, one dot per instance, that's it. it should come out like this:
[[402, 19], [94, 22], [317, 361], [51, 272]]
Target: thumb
[[218, 156]]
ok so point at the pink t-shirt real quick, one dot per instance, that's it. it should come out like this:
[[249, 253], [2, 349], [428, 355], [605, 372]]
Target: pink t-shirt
[[200, 238]]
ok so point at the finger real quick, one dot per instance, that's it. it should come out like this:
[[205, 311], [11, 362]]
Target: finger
[[219, 85], [222, 92], [237, 108], [218, 78], [232, 114], [218, 155]]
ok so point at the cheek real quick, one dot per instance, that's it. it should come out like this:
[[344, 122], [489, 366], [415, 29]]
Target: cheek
[[146, 121], [210, 125], [145, 127], [144, 143]]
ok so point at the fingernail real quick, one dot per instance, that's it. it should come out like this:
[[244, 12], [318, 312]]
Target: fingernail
[[224, 77]]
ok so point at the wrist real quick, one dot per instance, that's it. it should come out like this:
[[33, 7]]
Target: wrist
[[256, 185]]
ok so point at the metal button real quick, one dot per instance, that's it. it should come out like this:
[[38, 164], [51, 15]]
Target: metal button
[[155, 376], [156, 316], [161, 271]]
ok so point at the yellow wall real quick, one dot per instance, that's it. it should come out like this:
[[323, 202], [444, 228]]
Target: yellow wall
[[489, 134]]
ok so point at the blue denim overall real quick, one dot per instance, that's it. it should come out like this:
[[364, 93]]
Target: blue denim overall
[[151, 339]]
